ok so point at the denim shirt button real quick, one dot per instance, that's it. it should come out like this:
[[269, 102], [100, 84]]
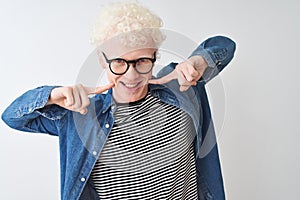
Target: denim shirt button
[[94, 153], [82, 179], [106, 125]]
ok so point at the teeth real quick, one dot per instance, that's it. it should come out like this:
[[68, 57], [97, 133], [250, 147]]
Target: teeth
[[131, 85]]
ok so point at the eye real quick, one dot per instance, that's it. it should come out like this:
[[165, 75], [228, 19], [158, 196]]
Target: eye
[[144, 61], [119, 61]]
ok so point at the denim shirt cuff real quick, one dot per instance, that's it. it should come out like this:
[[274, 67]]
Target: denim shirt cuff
[[206, 55], [52, 112], [38, 99], [212, 65]]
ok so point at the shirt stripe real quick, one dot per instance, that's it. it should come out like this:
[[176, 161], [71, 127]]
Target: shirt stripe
[[149, 154]]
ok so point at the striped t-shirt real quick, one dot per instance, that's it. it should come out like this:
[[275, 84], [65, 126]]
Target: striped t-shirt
[[149, 154]]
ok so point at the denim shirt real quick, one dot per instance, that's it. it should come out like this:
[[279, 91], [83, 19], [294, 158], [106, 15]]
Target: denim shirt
[[82, 137]]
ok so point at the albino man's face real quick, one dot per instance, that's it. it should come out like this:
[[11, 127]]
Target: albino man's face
[[131, 86]]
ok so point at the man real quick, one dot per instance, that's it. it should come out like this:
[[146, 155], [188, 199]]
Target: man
[[142, 138]]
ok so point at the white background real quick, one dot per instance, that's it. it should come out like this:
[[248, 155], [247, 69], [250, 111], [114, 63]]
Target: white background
[[46, 42]]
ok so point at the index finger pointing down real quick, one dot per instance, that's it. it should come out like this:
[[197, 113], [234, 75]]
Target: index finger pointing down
[[165, 79]]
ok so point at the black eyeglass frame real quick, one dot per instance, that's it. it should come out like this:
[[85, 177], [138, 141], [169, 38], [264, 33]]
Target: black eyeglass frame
[[109, 61]]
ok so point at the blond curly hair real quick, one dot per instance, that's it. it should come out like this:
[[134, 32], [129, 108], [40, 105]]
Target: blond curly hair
[[133, 23]]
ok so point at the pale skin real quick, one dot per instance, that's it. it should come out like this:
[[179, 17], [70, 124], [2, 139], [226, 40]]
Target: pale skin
[[130, 86]]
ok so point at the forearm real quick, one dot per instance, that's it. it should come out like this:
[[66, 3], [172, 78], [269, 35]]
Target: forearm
[[217, 52], [28, 112]]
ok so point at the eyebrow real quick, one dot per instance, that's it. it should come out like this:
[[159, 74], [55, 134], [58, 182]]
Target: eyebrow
[[151, 57]]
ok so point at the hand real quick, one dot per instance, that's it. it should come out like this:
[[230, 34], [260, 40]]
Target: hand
[[75, 98], [187, 73]]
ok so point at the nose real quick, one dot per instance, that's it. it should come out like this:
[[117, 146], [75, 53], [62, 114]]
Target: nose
[[131, 73]]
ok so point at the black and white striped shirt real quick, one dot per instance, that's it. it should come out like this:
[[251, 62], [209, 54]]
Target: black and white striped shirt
[[149, 154]]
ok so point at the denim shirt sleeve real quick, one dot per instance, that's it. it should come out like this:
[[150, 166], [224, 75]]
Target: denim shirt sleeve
[[29, 113], [218, 51]]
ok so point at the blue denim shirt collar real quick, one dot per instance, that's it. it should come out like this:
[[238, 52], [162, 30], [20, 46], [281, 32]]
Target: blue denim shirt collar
[[108, 101]]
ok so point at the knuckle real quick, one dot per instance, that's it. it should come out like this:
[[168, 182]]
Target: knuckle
[[74, 89], [195, 73], [79, 85], [189, 78], [69, 89]]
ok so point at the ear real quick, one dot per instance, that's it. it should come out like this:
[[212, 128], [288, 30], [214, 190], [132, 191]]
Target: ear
[[101, 58]]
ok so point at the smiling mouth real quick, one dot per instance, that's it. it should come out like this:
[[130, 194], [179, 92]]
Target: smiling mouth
[[132, 85]]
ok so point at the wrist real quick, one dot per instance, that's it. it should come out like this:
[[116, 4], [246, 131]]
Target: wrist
[[50, 99], [49, 102], [198, 62]]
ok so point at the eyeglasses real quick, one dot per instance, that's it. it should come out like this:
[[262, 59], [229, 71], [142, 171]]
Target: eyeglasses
[[120, 66]]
